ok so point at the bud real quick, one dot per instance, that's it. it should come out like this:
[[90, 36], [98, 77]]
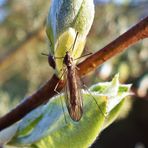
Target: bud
[[65, 20]]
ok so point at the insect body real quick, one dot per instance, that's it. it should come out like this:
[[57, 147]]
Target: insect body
[[73, 92]]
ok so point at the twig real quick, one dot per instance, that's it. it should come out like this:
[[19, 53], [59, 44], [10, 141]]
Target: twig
[[133, 35]]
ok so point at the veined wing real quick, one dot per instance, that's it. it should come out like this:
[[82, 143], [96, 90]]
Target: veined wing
[[73, 94]]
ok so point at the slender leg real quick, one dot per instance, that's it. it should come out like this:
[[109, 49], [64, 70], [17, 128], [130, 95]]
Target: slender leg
[[61, 101], [83, 56], [104, 114], [55, 89]]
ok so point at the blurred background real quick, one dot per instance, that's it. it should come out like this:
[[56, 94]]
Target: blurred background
[[23, 69]]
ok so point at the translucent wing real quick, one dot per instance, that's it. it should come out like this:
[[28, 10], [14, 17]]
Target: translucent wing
[[73, 94]]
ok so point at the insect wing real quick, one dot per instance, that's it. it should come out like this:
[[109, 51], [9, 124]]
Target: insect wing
[[73, 95]]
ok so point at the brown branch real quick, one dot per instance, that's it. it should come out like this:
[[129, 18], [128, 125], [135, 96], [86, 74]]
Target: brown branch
[[133, 35]]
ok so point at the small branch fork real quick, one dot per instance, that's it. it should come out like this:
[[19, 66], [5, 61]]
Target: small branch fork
[[132, 36]]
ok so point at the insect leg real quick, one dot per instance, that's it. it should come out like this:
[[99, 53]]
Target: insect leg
[[83, 56], [55, 89], [104, 114], [61, 101]]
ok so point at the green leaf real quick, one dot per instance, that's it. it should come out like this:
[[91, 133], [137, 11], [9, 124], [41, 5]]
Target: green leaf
[[116, 93], [54, 130], [7, 134], [46, 126]]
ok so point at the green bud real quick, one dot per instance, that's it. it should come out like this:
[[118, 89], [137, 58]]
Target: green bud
[[65, 19]]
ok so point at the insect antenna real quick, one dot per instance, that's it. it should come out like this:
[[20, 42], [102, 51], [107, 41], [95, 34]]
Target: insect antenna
[[72, 47], [45, 54], [75, 40]]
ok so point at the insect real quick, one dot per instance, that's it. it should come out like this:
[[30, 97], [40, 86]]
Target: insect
[[73, 92]]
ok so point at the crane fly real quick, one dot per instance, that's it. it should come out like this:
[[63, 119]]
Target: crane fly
[[73, 93], [72, 90]]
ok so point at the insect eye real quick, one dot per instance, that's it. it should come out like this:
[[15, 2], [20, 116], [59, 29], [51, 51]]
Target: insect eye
[[51, 61]]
